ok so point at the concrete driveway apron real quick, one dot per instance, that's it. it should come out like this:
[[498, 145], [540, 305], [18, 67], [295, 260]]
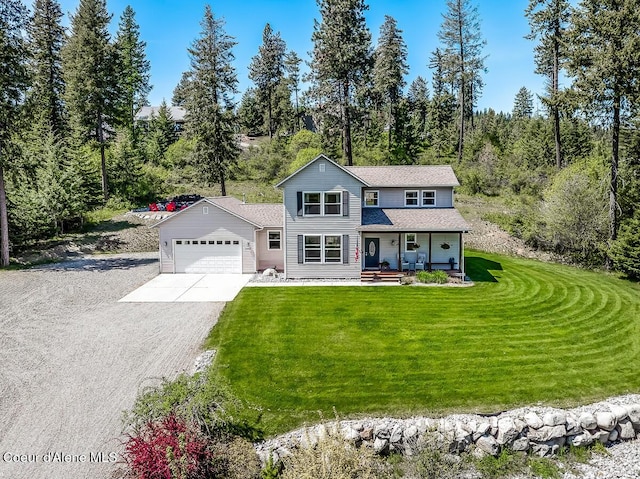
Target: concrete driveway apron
[[194, 288]]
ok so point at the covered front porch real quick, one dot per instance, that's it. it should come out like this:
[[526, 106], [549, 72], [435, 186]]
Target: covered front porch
[[403, 241]]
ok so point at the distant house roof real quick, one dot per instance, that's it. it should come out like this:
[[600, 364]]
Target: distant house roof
[[412, 219], [146, 112], [418, 176]]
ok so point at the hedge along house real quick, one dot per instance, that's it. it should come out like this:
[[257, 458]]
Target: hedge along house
[[222, 235], [340, 221], [334, 222]]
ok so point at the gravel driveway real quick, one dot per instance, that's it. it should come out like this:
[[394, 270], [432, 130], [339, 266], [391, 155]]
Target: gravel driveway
[[72, 359]]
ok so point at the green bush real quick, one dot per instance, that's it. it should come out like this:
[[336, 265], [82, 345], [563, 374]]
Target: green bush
[[437, 276]]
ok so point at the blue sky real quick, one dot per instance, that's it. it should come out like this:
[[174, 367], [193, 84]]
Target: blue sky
[[170, 26]]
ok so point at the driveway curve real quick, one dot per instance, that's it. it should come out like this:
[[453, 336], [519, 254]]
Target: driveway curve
[[72, 358]]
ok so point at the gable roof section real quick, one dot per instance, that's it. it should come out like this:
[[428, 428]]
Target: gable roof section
[[324, 158], [412, 219], [258, 215], [418, 176]]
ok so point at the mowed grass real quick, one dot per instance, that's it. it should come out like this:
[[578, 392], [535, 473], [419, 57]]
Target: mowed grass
[[527, 332]]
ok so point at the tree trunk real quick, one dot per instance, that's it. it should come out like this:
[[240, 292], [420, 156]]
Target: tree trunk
[[297, 110], [269, 119], [4, 223], [554, 95], [462, 95], [103, 160], [346, 129], [223, 186], [613, 187]]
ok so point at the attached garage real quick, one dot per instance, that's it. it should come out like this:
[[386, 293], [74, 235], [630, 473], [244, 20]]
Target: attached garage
[[211, 256], [218, 236]]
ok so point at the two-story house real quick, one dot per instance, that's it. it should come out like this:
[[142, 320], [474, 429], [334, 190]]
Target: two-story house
[[334, 222]]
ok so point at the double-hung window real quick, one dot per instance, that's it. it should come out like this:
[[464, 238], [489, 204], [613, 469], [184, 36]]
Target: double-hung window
[[323, 248], [322, 204], [370, 198], [333, 203], [411, 198], [428, 198], [312, 204], [410, 241], [274, 240]]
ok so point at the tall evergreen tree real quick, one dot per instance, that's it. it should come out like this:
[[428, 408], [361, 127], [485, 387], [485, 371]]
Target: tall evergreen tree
[[267, 71], [418, 106], [89, 74], [13, 83], [442, 104], [463, 44], [523, 104], [389, 70], [161, 134], [548, 20], [605, 63], [133, 70], [179, 97], [208, 103], [292, 66], [46, 37], [341, 57]]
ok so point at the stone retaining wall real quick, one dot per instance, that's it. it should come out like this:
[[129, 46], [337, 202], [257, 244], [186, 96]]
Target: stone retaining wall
[[541, 431]]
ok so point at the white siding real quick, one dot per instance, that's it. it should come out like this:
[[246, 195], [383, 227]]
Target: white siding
[[193, 224], [312, 179]]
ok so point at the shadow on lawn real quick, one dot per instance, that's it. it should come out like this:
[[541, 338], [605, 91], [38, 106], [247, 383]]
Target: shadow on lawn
[[478, 269]]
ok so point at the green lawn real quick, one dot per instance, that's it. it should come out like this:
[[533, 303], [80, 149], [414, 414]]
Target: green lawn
[[527, 332]]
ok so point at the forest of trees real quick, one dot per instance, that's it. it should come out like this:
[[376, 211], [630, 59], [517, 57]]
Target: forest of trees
[[570, 172]]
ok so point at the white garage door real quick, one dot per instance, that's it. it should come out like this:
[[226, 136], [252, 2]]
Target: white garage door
[[210, 256]]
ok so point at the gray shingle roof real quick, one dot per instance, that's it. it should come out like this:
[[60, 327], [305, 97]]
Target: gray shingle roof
[[412, 219], [146, 112], [263, 214], [405, 175]]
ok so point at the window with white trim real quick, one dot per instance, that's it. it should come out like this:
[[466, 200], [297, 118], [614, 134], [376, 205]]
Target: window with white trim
[[328, 203], [411, 198], [371, 198], [332, 249], [411, 241], [428, 197], [274, 240], [333, 203], [322, 248], [312, 204]]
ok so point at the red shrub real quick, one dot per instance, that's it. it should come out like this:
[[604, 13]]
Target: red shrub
[[169, 449]]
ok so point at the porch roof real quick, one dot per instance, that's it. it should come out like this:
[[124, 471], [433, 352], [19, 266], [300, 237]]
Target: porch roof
[[413, 219]]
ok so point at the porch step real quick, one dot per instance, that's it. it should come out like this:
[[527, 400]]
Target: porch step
[[378, 276]]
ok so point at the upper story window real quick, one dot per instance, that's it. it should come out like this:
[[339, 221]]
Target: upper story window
[[322, 204], [411, 198], [332, 203], [428, 198], [371, 198]]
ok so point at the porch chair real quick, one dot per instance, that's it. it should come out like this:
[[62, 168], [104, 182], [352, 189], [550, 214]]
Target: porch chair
[[420, 262], [404, 263]]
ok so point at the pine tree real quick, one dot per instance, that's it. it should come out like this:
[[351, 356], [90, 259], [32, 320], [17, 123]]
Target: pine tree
[[267, 71], [341, 57], [46, 37], [605, 63], [523, 104], [442, 104], [89, 73], [133, 70], [13, 83], [460, 33], [389, 70], [292, 66], [180, 92], [208, 103], [548, 20], [161, 134], [418, 106]]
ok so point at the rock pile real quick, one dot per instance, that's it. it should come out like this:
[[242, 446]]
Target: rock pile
[[541, 431]]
